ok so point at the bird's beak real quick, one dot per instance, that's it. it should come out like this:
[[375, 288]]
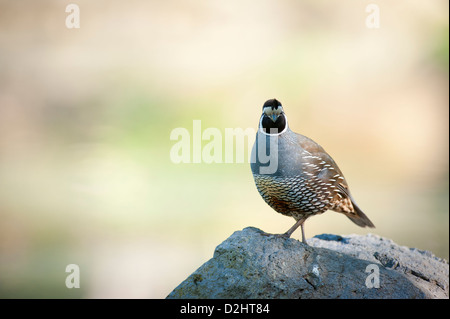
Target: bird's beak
[[273, 114]]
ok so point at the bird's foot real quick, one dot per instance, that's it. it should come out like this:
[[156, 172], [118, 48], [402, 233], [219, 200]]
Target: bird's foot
[[284, 235]]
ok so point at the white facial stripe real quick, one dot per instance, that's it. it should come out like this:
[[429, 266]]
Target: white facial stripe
[[269, 111], [262, 130]]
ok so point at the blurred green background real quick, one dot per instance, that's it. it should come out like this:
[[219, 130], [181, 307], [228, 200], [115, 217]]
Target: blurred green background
[[86, 115]]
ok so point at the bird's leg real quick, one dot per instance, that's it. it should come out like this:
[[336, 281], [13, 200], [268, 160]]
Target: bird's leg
[[303, 235], [296, 225], [291, 230]]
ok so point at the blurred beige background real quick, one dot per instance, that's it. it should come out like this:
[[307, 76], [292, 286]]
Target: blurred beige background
[[86, 115]]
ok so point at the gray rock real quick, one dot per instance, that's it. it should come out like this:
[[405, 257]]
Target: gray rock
[[251, 265]]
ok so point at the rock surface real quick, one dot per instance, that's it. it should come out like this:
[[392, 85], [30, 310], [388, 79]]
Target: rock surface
[[251, 265]]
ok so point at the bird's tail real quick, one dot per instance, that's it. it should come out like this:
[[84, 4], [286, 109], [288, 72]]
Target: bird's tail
[[359, 218]]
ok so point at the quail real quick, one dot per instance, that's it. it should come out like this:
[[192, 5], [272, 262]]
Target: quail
[[295, 176]]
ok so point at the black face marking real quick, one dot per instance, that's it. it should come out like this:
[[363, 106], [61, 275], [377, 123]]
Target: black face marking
[[271, 127]]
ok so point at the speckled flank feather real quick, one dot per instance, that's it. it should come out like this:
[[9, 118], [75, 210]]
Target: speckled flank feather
[[293, 196]]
